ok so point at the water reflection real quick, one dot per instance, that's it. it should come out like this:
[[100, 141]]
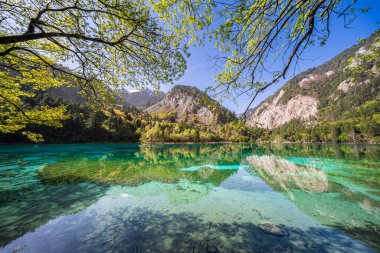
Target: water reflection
[[185, 198], [286, 175], [325, 193]]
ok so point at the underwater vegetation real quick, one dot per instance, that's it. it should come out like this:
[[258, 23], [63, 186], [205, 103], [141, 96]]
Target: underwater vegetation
[[218, 197]]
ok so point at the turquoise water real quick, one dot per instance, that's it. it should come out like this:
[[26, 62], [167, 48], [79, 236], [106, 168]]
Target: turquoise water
[[189, 198]]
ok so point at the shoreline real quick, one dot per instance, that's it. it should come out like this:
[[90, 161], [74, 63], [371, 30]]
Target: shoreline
[[188, 143]]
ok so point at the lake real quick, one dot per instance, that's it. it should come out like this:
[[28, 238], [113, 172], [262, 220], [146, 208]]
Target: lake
[[189, 198]]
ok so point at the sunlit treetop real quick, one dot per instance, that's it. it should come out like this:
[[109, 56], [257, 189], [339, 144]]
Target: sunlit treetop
[[116, 42], [260, 42], [95, 45]]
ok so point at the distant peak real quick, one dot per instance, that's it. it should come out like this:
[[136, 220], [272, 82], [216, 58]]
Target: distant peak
[[187, 89]]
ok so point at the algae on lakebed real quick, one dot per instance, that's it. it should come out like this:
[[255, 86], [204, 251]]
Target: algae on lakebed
[[162, 163], [125, 172], [326, 196]]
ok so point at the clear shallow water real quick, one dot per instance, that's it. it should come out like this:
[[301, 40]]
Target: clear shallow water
[[189, 198]]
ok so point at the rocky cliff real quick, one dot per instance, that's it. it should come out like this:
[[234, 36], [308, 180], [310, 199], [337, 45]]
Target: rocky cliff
[[322, 93], [190, 104]]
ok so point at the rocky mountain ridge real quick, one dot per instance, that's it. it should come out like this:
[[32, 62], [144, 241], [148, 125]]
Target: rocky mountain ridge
[[188, 103], [322, 93], [191, 104]]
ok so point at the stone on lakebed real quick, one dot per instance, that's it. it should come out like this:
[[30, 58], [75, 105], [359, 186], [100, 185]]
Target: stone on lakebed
[[273, 229]]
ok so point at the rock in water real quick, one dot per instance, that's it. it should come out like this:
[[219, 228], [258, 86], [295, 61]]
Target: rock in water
[[273, 229]]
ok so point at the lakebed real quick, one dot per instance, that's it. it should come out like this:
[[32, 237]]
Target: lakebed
[[190, 198]]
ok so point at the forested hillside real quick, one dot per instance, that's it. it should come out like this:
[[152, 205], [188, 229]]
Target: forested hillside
[[128, 123], [337, 101]]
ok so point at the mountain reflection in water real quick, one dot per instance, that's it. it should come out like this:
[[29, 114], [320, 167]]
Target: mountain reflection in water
[[189, 198], [288, 175], [334, 201]]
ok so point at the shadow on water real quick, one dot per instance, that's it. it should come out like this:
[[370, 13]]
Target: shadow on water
[[370, 235], [147, 231], [25, 209], [186, 233]]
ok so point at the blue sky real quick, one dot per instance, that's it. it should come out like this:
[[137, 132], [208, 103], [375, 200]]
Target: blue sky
[[200, 73]]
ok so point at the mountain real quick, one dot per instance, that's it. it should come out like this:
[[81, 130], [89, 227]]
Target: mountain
[[143, 98], [71, 95], [68, 94], [188, 103], [325, 93]]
